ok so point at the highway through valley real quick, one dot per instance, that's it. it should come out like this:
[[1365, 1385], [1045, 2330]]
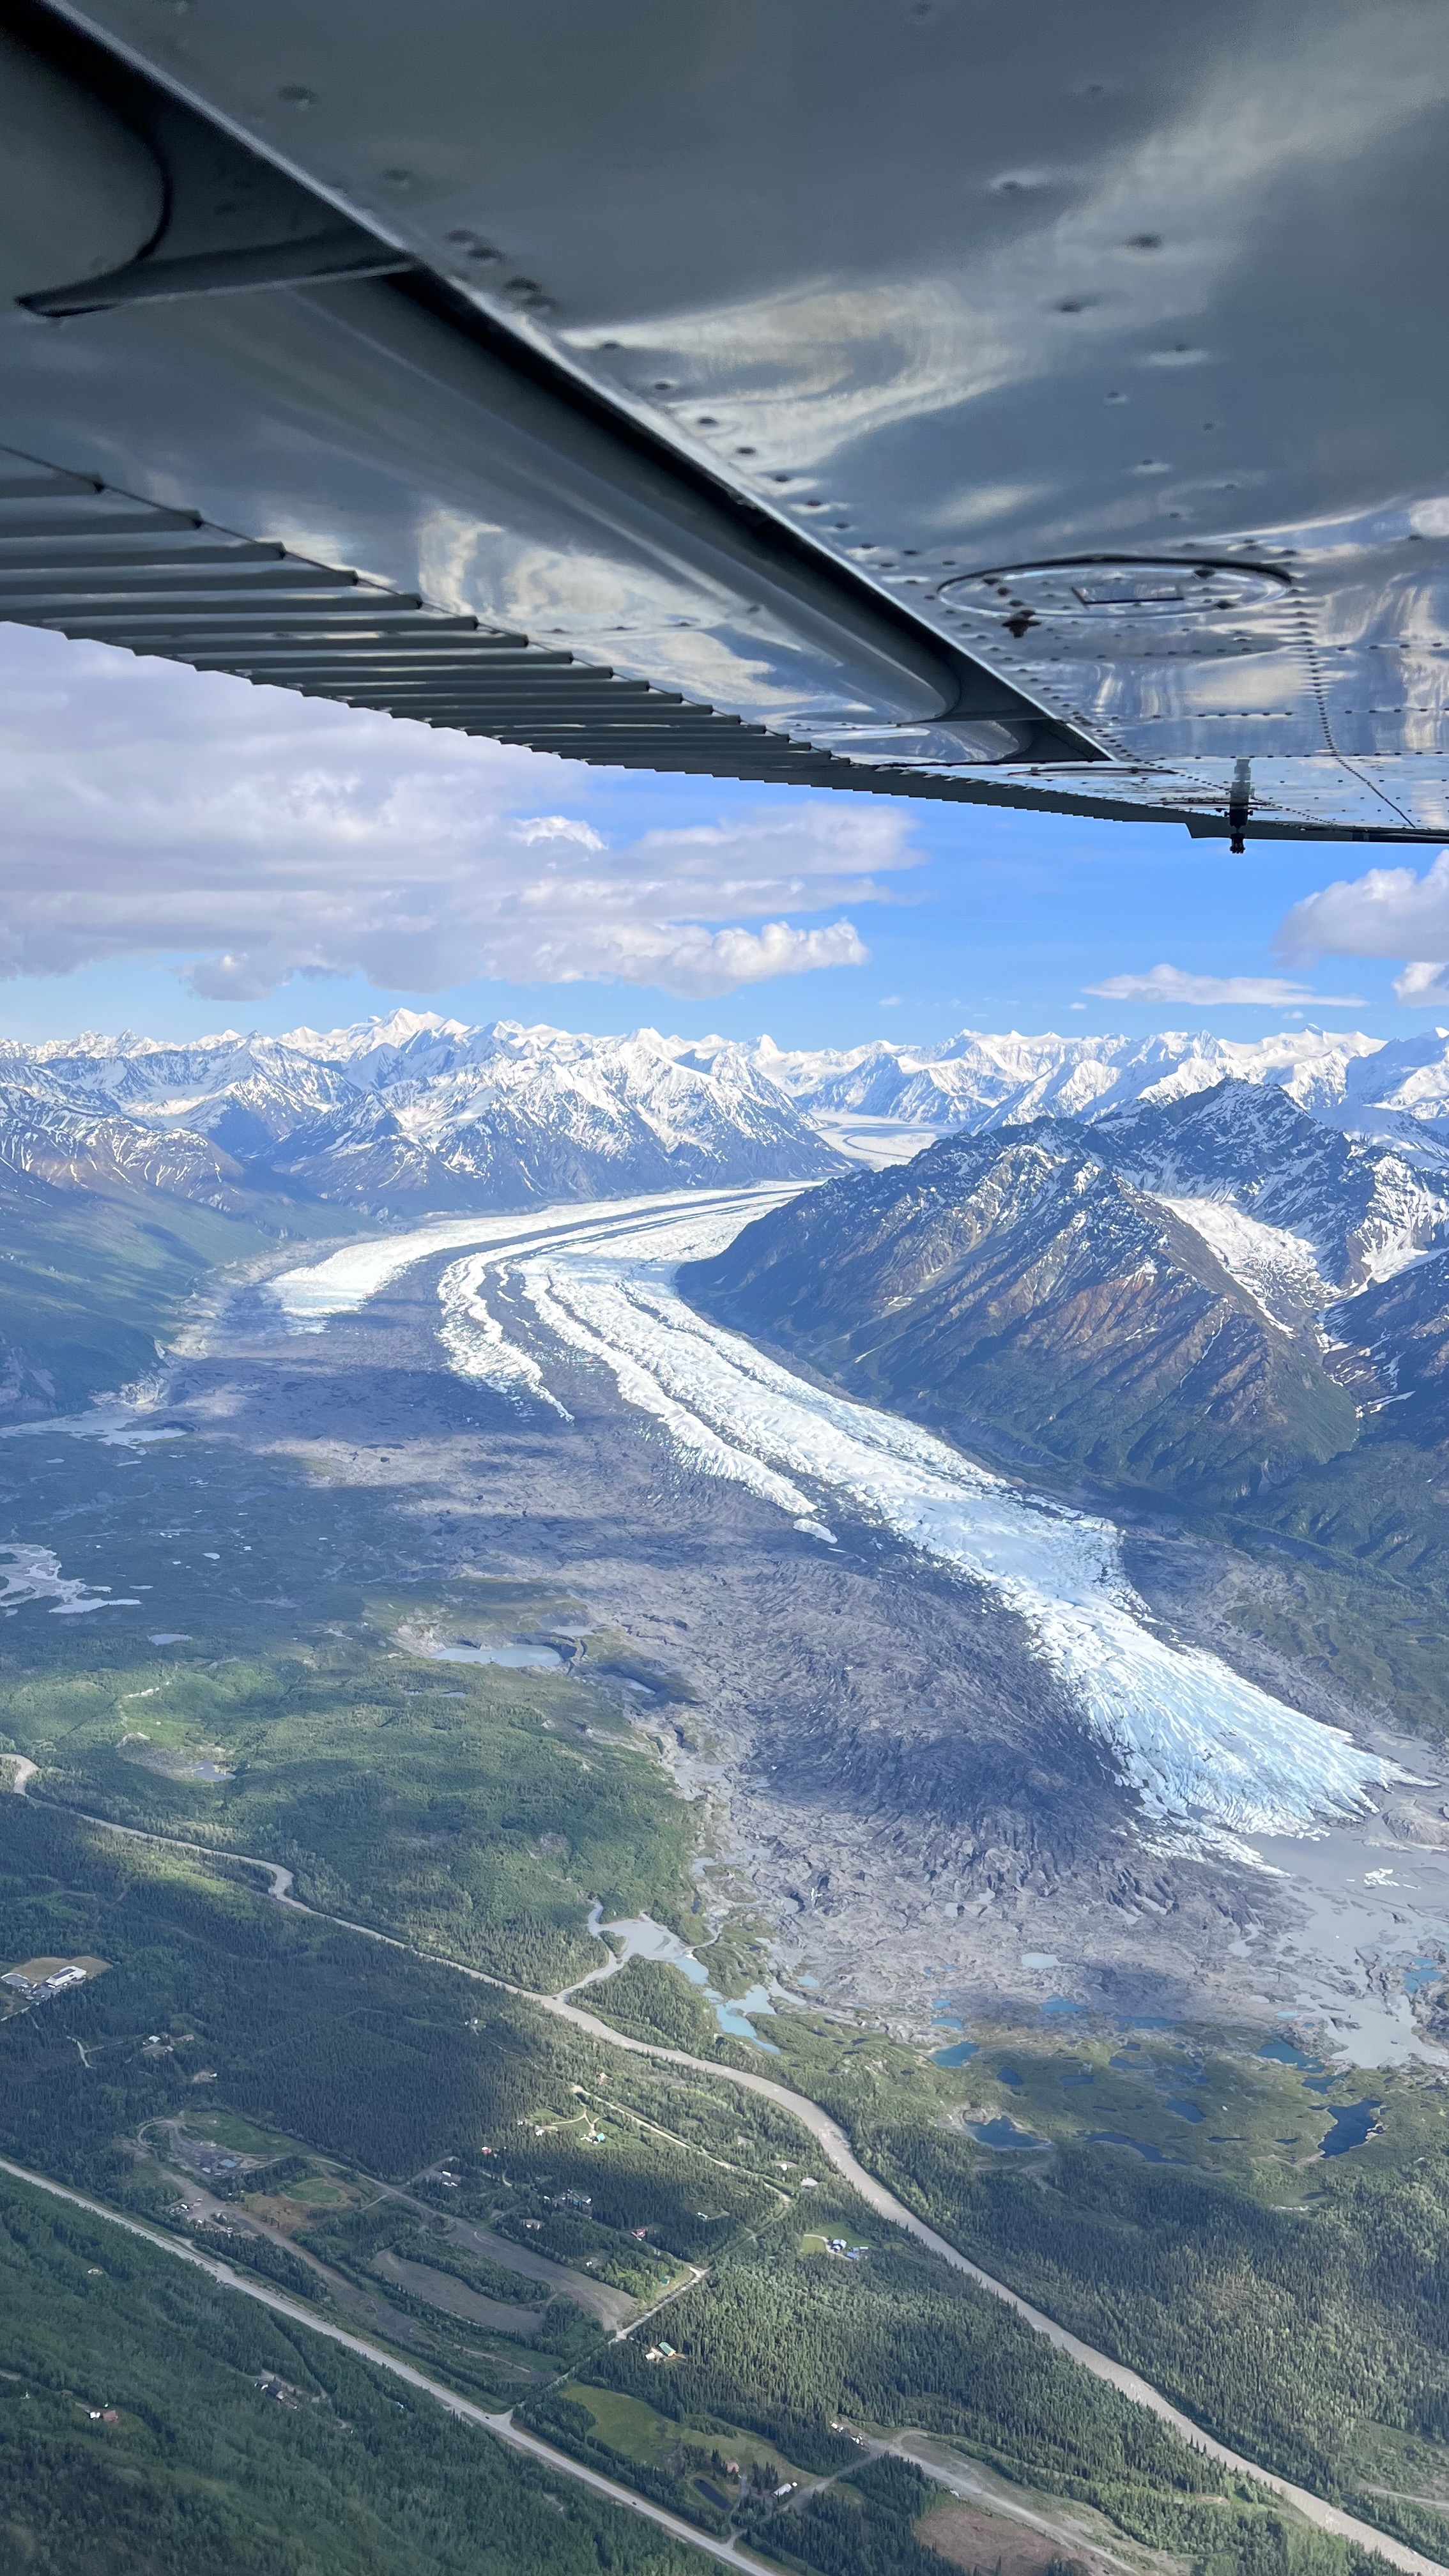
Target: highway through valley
[[833, 2144]]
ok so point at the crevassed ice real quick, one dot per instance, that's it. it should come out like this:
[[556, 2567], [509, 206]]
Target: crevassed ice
[[475, 1341], [1211, 1757], [310, 1295], [566, 1316], [343, 1283]]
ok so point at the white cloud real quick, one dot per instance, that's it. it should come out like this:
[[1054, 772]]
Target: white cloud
[[1422, 985], [557, 827], [153, 810], [686, 958], [1389, 912], [1172, 984]]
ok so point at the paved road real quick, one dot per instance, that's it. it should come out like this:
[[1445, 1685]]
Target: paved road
[[836, 2148], [502, 2427]]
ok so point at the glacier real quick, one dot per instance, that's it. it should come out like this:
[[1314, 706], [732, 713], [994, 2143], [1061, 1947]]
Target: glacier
[[475, 1340], [311, 1295], [1212, 1759]]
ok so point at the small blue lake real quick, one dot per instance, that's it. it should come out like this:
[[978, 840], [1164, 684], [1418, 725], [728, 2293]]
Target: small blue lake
[[1117, 2138], [733, 2023], [1008, 2075], [730, 2016], [1186, 2110], [955, 2056], [1283, 2053], [1003, 2134], [1352, 2125], [1062, 2004]]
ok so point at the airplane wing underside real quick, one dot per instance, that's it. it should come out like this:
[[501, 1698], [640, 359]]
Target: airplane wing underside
[[1038, 406]]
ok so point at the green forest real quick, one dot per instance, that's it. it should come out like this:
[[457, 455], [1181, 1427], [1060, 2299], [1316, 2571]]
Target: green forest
[[1294, 2333], [1296, 2307], [242, 2445], [298, 2024], [787, 2345], [295, 2022], [472, 1810]]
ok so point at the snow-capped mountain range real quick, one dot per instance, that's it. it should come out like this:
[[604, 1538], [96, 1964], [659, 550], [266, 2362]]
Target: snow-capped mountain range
[[416, 1112], [393, 1116], [1396, 1089], [1270, 1191], [1207, 1292]]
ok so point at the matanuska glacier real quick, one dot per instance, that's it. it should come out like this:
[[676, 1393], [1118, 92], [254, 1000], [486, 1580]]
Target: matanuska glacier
[[1212, 1759]]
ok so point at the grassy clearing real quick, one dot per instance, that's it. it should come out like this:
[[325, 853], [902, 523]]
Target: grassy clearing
[[638, 2432], [225, 2128]]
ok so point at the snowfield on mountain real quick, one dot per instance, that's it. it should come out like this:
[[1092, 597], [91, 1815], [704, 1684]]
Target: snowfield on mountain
[[393, 1117], [1395, 1089]]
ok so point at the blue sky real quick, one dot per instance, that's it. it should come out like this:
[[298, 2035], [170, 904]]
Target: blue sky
[[301, 863]]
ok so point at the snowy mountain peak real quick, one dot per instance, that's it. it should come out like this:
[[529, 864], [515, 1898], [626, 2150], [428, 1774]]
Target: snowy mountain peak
[[426, 1106], [364, 1037], [1343, 1209], [1396, 1089], [417, 1109]]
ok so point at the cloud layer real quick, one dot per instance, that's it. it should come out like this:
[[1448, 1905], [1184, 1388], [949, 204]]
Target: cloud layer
[[1390, 912], [261, 836], [1172, 984]]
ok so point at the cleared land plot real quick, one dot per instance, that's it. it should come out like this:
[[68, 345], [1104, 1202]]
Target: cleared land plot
[[976, 2539], [610, 2306], [440, 2290], [636, 2432]]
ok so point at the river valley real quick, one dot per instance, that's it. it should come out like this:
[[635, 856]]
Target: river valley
[[946, 1758]]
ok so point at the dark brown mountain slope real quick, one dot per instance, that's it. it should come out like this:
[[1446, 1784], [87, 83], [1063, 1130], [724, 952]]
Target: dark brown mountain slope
[[1016, 1291]]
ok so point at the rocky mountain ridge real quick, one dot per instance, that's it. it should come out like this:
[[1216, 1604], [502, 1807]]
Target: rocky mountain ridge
[[1396, 1090], [389, 1116], [1158, 1299], [393, 1117], [1297, 1211]]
